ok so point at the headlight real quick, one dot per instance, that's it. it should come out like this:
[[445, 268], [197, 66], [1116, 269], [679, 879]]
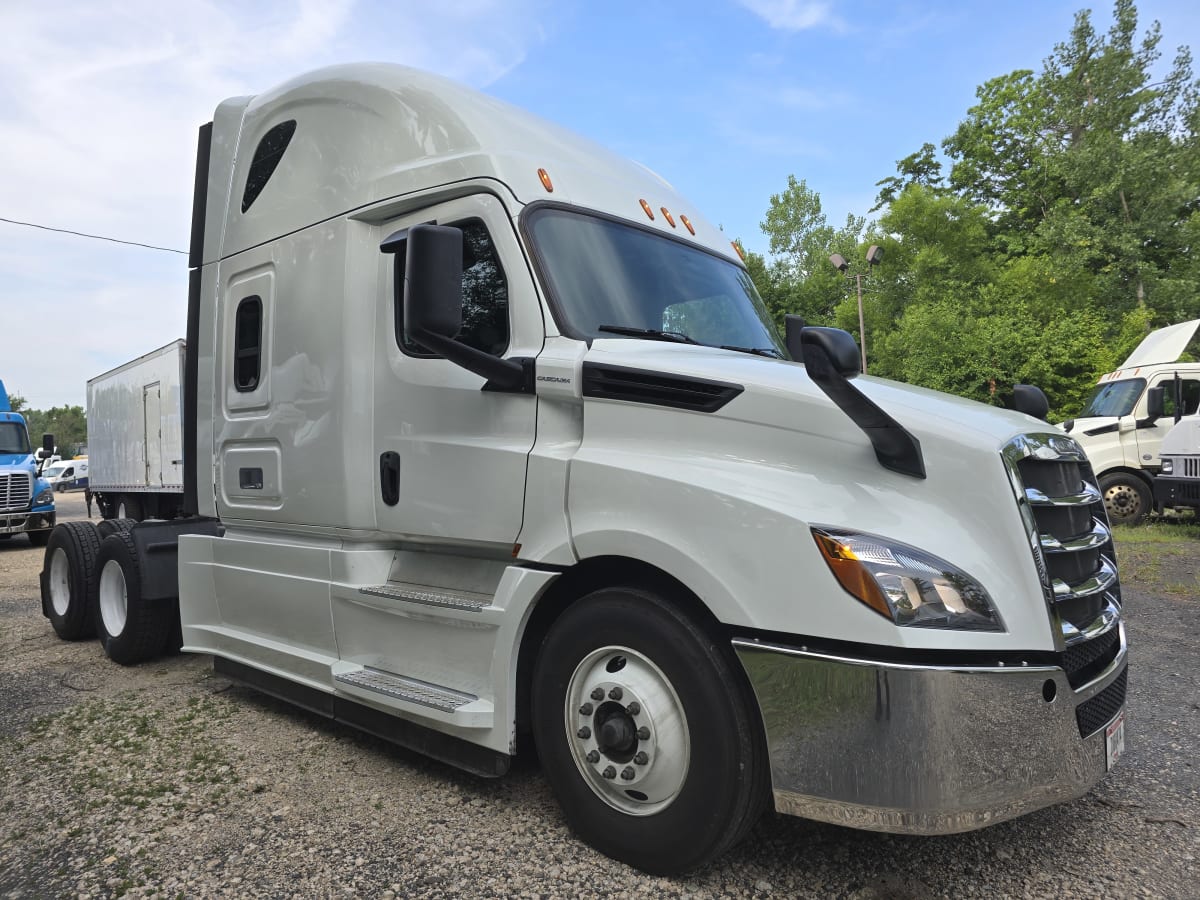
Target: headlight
[[1168, 466], [44, 498], [907, 585]]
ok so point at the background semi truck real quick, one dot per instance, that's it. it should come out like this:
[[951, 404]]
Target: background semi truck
[[1122, 430], [135, 436], [26, 499], [489, 442], [1177, 484]]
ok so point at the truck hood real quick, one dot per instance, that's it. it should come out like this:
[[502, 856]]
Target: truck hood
[[779, 393], [1163, 346], [22, 461]]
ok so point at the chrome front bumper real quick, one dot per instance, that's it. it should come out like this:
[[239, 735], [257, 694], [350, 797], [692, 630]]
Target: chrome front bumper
[[926, 749], [21, 522]]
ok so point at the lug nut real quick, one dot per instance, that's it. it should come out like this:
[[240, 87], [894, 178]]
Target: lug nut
[[609, 772], [641, 758], [616, 694], [593, 757], [643, 733], [586, 709], [584, 732], [634, 708], [598, 694], [627, 773]]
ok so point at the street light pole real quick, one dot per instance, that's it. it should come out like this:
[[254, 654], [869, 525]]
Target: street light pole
[[874, 258]]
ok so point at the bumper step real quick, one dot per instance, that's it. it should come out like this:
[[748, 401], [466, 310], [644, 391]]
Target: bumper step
[[404, 692], [428, 596]]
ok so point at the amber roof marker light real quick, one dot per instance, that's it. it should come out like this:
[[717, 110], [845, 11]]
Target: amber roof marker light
[[687, 224], [646, 208], [546, 182], [666, 215]]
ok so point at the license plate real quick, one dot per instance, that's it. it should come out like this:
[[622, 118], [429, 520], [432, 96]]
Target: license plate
[[1114, 739]]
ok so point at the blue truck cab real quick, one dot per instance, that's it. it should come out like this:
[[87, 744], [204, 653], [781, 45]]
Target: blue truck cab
[[26, 499]]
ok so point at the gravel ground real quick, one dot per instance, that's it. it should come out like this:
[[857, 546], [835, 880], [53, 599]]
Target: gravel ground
[[165, 780]]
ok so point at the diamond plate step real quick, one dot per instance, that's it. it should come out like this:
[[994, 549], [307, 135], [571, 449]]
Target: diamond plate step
[[419, 593], [409, 689]]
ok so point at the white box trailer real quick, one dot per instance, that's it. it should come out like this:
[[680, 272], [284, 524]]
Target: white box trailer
[[135, 435], [546, 468]]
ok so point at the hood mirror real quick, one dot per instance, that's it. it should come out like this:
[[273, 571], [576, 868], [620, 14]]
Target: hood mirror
[[1031, 400]]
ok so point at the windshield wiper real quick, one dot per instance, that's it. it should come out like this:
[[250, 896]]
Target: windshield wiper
[[653, 334], [757, 351]]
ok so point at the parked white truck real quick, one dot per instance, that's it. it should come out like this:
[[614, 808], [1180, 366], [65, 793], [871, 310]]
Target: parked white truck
[[135, 436], [488, 434], [1122, 426], [1177, 484]]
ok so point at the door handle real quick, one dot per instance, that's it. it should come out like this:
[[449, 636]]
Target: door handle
[[389, 477]]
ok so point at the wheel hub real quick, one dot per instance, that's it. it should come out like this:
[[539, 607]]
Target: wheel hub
[[627, 730], [59, 582]]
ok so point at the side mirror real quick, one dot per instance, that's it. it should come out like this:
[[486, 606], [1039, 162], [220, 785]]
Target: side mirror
[[433, 282], [839, 347], [792, 326], [47, 445], [1155, 403], [1031, 400]]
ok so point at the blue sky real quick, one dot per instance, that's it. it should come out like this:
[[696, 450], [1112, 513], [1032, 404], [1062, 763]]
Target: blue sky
[[99, 105]]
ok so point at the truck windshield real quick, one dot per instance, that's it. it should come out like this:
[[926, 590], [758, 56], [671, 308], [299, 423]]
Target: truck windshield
[[608, 278], [13, 438], [1114, 398]]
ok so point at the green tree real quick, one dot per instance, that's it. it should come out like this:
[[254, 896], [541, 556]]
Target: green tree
[[68, 424]]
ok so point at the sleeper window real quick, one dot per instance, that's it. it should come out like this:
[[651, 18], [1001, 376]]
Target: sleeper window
[[247, 344]]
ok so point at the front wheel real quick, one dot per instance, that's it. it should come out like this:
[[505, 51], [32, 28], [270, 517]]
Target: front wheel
[[647, 732], [1126, 498]]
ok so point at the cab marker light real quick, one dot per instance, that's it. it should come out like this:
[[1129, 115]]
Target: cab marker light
[[666, 215], [546, 182], [687, 224], [646, 206]]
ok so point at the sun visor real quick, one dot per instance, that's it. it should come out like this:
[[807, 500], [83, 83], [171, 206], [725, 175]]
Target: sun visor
[[1163, 346]]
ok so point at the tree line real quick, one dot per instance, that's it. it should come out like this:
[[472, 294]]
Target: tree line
[[1051, 233]]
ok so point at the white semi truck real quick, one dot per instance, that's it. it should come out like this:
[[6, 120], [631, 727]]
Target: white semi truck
[[1122, 426], [1177, 484], [487, 434], [135, 436]]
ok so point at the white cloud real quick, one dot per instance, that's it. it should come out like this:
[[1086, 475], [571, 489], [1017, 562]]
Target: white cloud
[[99, 106], [793, 15]]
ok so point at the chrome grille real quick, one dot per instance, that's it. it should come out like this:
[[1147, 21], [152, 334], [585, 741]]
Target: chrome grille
[[16, 491], [1072, 546], [1187, 466]]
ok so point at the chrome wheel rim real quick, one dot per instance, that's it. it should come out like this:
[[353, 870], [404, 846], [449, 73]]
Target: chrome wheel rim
[[627, 731], [60, 582], [114, 606], [1122, 502]]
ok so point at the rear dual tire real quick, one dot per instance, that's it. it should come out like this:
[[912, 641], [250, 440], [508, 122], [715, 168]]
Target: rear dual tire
[[69, 578], [131, 628]]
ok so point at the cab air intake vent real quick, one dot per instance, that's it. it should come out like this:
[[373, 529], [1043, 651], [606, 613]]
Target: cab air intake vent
[[639, 386]]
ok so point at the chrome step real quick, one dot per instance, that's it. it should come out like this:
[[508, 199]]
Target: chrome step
[[410, 690], [428, 596], [1097, 537], [1104, 578]]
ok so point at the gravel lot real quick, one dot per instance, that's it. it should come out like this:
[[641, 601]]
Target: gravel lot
[[165, 780]]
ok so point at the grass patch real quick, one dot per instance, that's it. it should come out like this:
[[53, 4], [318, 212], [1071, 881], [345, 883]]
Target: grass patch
[[1159, 531]]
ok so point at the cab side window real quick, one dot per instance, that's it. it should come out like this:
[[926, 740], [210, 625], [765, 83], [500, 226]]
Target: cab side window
[[1190, 389], [485, 295]]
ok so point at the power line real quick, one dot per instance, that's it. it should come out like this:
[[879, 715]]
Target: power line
[[97, 237]]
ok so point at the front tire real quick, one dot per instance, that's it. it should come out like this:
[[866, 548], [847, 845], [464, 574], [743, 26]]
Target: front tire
[[647, 732], [1126, 498], [69, 578], [131, 629]]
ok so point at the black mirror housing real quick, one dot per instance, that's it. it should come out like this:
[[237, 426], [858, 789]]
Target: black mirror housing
[[47, 444], [1031, 400], [1155, 403], [433, 271], [839, 347]]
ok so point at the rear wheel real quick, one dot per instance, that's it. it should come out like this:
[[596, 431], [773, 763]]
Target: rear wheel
[[131, 628], [69, 579], [646, 734], [129, 506], [1126, 498]]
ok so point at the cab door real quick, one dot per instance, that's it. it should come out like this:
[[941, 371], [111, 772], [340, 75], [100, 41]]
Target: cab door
[[1149, 439], [450, 457]]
